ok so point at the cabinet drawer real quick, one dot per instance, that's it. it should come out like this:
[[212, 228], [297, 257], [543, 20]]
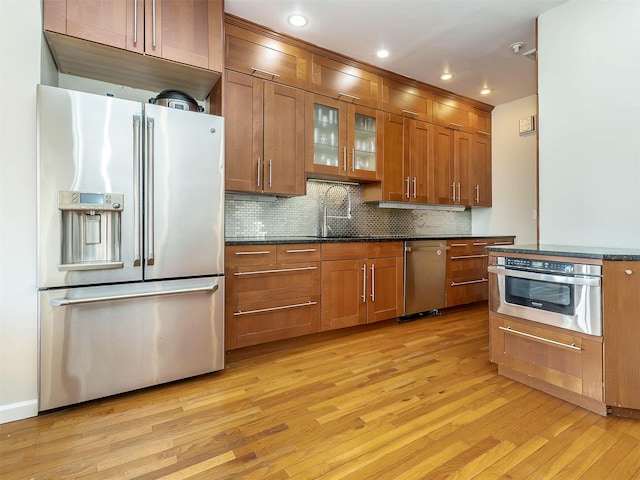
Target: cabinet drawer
[[252, 284], [344, 251], [461, 291], [254, 54], [559, 358], [467, 265], [300, 252], [344, 82], [273, 320], [235, 256], [385, 249]]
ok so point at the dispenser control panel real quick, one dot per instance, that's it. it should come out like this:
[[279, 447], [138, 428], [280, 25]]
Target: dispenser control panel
[[90, 201]]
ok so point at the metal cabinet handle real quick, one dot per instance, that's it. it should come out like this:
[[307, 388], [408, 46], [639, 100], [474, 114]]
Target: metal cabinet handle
[[453, 191], [353, 97], [344, 158], [270, 173], [264, 252], [477, 193], [274, 309], [62, 302], [137, 185], [503, 243], [150, 192], [373, 282], [455, 125], [258, 182], [279, 270], [458, 244], [482, 132], [353, 159], [408, 183], [364, 282], [135, 22], [153, 26], [477, 244], [458, 191], [410, 112], [461, 257], [302, 250], [259, 70], [470, 282], [415, 187], [542, 339]]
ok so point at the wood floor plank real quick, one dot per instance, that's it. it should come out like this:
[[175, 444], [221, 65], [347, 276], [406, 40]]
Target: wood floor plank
[[388, 401]]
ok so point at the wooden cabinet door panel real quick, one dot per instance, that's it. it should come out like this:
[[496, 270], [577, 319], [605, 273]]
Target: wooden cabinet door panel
[[341, 81], [283, 124], [254, 54], [471, 265], [444, 189], [261, 284], [394, 187], [243, 133], [481, 170], [298, 252], [482, 122], [452, 113], [343, 294], [406, 100], [462, 159], [465, 290], [385, 289], [421, 165], [179, 30]]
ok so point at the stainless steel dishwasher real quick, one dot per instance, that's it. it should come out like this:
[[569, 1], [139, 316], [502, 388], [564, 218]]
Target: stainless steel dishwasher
[[425, 264]]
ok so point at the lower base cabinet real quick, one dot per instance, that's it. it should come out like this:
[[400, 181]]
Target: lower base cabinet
[[562, 363], [273, 292], [361, 283]]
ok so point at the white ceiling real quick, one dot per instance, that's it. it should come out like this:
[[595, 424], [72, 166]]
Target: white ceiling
[[470, 38]]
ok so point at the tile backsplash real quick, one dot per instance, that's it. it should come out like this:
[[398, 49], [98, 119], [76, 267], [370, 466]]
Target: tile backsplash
[[253, 215]]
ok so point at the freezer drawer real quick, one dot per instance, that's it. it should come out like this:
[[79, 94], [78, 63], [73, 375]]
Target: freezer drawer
[[99, 341]]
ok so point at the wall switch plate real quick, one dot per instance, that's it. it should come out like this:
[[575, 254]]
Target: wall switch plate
[[527, 125]]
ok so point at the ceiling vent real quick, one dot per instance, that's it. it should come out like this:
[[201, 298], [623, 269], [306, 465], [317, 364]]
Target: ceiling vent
[[531, 54]]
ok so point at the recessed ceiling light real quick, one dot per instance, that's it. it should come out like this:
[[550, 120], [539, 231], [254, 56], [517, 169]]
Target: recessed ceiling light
[[297, 20], [485, 91], [382, 53], [447, 76]]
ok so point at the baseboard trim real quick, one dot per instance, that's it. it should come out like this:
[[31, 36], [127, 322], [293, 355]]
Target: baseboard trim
[[18, 411]]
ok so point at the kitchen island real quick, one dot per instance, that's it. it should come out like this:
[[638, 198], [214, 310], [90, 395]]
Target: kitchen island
[[564, 319]]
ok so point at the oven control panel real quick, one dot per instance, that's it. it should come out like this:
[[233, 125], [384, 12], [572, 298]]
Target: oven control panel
[[528, 263]]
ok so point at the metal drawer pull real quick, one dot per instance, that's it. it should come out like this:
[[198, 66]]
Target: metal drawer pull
[[259, 70], [61, 302], [410, 112], [458, 244], [503, 243], [480, 255], [253, 253], [302, 250], [274, 309], [342, 94], [542, 339], [480, 243], [457, 284], [280, 270]]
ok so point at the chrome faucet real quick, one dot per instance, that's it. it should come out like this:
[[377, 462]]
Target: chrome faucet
[[347, 216]]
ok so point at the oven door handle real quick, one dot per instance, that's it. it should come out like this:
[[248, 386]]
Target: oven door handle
[[545, 277]]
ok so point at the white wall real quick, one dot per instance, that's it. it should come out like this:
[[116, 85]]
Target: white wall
[[20, 43], [589, 117], [513, 176]]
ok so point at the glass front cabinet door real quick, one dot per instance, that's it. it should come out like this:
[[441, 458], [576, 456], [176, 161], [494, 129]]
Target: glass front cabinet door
[[347, 139]]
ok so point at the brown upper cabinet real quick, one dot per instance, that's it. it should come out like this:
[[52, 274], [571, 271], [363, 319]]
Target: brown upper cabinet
[[255, 54], [406, 100], [347, 83], [452, 113], [344, 140], [264, 136], [453, 153], [187, 32]]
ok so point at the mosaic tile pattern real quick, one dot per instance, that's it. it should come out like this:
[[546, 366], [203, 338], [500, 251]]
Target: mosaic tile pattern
[[252, 215]]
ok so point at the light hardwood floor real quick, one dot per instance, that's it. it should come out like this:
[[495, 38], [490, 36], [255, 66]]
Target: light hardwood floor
[[413, 401]]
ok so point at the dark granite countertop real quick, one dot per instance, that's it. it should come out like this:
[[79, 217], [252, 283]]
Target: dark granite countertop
[[600, 253], [352, 238]]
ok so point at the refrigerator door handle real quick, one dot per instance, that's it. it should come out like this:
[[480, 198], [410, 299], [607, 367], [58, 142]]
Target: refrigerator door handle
[[137, 185], [61, 302], [149, 190]]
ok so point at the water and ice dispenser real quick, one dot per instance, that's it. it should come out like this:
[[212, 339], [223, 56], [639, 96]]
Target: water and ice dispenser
[[90, 230]]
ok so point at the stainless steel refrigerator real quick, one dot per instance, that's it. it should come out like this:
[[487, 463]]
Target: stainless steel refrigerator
[[130, 245]]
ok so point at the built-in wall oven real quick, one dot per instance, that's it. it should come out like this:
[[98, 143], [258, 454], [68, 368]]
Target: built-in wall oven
[[558, 293]]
